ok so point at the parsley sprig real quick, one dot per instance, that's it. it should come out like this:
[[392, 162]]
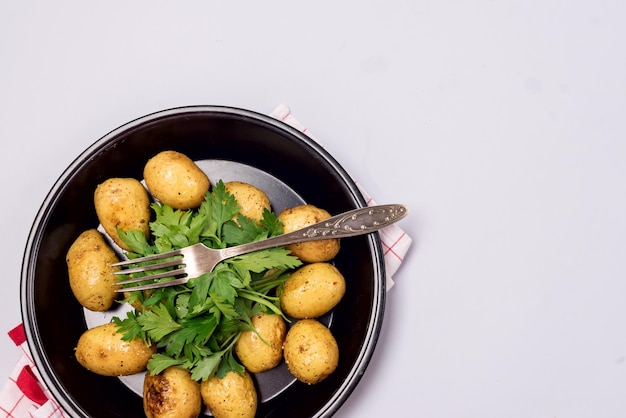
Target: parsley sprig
[[196, 325]]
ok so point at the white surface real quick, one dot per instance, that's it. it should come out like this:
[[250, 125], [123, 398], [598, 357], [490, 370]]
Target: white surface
[[500, 124]]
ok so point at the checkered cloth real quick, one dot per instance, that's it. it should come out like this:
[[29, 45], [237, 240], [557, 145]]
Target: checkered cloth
[[24, 395]]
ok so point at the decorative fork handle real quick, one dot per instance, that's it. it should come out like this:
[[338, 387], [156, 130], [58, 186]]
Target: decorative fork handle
[[348, 224]]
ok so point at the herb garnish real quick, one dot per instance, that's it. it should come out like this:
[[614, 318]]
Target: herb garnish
[[196, 325]]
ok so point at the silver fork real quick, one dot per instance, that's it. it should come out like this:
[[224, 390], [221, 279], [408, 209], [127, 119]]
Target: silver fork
[[198, 259]]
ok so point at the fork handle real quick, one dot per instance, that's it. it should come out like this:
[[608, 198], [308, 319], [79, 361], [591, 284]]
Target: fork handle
[[348, 224]]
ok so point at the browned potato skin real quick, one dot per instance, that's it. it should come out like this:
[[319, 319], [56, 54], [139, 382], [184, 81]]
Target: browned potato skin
[[102, 351], [92, 281], [174, 179], [231, 396], [257, 355], [252, 200], [312, 290], [311, 351], [302, 216], [122, 203], [171, 394]]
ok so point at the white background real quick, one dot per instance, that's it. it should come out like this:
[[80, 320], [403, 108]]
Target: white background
[[501, 124]]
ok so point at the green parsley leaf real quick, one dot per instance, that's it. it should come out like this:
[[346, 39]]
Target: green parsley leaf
[[271, 222], [243, 231], [206, 367], [135, 240], [223, 285], [130, 328], [159, 362], [157, 322], [199, 294], [229, 363], [219, 207], [263, 260]]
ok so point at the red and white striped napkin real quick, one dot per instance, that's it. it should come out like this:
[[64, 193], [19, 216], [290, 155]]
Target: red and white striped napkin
[[24, 395]]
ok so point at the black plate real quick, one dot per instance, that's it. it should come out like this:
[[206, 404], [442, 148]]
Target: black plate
[[54, 320]]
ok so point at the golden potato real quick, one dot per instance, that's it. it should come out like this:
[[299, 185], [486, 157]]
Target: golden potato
[[302, 216], [252, 200], [122, 203], [312, 290], [311, 351], [176, 180], [233, 395], [256, 354], [92, 278], [171, 394], [102, 350]]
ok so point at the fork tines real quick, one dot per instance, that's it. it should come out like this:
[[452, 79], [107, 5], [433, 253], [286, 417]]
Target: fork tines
[[149, 267], [177, 262]]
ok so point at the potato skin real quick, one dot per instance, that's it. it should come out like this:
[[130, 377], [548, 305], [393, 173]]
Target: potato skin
[[171, 394], [255, 354], [252, 200], [174, 179], [311, 351], [302, 216], [102, 351], [231, 396], [122, 203], [92, 281], [312, 290]]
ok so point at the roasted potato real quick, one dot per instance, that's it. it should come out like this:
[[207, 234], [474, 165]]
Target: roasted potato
[[233, 395], [122, 203], [310, 350], [174, 179], [312, 290], [252, 200], [171, 394], [92, 278], [102, 350], [262, 351], [302, 216]]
